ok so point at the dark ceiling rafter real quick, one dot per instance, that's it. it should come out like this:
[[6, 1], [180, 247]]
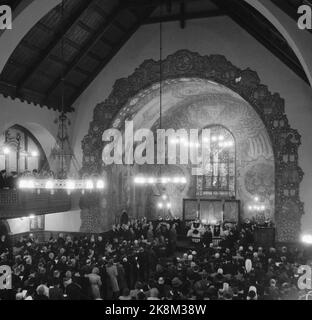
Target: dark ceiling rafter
[[187, 16], [35, 66], [87, 48], [152, 3], [56, 40], [105, 15], [240, 12], [113, 52]]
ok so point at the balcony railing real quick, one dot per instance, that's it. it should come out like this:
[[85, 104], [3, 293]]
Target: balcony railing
[[16, 204]]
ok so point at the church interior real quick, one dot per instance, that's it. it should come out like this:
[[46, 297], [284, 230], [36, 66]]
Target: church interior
[[176, 133]]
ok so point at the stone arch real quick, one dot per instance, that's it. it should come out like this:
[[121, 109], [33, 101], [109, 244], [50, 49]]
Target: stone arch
[[246, 83], [193, 103]]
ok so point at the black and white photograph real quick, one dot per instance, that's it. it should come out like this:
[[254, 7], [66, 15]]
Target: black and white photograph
[[155, 155]]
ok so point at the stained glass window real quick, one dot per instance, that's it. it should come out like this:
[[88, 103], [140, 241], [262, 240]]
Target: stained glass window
[[218, 178]]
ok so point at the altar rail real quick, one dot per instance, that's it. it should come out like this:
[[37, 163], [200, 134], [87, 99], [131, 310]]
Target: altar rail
[[16, 204]]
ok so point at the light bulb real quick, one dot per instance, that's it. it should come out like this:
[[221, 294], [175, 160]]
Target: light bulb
[[49, 184], [6, 150], [176, 180], [21, 184], [30, 184], [34, 154], [100, 184], [139, 180], [183, 180], [307, 239], [89, 185], [70, 185], [151, 180]]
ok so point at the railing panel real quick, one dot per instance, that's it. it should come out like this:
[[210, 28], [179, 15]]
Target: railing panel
[[15, 204]]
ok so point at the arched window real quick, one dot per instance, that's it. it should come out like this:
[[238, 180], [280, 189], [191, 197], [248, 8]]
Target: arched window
[[218, 179], [20, 151]]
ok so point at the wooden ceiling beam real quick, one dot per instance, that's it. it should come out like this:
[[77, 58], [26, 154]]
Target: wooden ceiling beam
[[113, 52], [56, 39], [99, 10], [85, 27], [87, 48], [187, 16], [152, 3], [95, 57]]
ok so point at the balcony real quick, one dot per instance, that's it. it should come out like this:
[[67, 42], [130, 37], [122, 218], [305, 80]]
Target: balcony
[[17, 204]]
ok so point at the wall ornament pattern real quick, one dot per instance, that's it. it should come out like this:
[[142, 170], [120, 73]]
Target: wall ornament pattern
[[269, 106]]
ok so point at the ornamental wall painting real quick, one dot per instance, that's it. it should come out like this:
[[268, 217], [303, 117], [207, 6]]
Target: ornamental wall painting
[[272, 145]]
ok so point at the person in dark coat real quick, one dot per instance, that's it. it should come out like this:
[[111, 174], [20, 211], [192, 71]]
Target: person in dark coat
[[55, 291], [12, 180], [207, 238], [172, 239], [124, 219], [74, 291], [3, 179]]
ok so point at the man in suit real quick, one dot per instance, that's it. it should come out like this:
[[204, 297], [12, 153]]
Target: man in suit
[[12, 180], [55, 291], [73, 290], [3, 179]]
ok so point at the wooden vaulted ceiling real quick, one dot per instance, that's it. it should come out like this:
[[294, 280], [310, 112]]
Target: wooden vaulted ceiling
[[94, 31]]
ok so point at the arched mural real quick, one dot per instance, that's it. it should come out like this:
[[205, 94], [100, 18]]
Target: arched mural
[[192, 103], [213, 91]]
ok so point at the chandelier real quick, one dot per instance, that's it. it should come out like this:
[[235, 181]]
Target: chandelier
[[160, 179], [62, 154], [164, 203], [145, 180]]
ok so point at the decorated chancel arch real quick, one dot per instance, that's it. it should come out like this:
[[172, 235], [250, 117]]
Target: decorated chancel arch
[[246, 83]]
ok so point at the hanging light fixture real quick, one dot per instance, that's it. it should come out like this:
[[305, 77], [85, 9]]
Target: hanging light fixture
[[160, 180], [62, 153]]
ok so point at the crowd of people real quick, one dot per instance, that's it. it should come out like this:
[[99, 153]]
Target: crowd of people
[[139, 260]]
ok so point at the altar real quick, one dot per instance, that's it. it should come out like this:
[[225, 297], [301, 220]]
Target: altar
[[211, 211]]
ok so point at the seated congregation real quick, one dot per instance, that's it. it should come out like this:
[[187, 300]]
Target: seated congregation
[[140, 260]]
